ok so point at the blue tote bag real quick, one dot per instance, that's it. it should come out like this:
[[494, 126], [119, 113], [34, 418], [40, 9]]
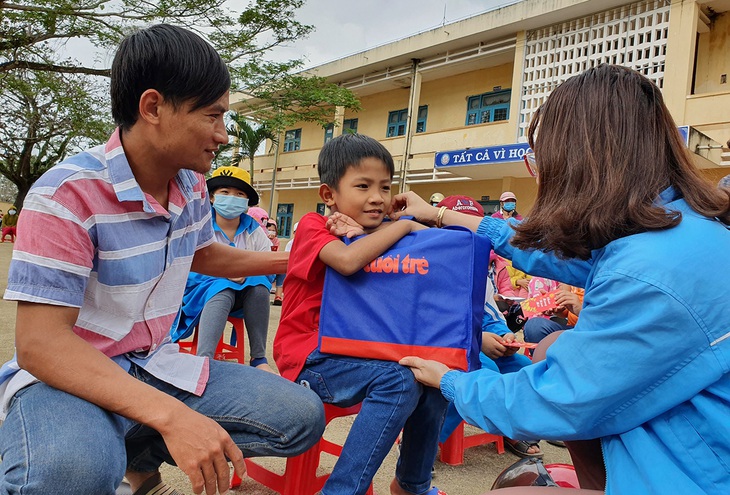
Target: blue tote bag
[[423, 297]]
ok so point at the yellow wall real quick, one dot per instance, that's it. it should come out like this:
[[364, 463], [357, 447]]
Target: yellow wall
[[713, 57]]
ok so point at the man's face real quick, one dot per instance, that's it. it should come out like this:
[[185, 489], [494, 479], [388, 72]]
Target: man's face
[[363, 193], [191, 138]]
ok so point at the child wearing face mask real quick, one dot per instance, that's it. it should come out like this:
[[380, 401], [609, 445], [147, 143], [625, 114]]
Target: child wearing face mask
[[9, 222], [507, 207], [209, 300]]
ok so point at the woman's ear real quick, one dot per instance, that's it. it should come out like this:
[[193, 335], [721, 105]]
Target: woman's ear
[[325, 192]]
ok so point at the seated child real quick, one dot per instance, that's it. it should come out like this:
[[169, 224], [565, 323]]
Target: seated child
[[208, 301], [356, 173]]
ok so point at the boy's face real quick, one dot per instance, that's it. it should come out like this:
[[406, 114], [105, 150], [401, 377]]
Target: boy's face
[[192, 138], [363, 193]]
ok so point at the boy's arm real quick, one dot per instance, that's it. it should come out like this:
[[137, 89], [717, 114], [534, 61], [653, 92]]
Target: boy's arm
[[220, 260], [48, 348], [349, 258]]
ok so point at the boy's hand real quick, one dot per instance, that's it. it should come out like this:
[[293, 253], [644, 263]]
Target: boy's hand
[[509, 337], [427, 372], [344, 226], [569, 301], [492, 345]]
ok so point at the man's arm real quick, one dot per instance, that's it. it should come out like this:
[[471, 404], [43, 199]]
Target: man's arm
[[220, 260], [349, 258], [48, 348]]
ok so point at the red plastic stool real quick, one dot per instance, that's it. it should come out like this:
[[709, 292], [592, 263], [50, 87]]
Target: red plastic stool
[[300, 475], [452, 450], [224, 352]]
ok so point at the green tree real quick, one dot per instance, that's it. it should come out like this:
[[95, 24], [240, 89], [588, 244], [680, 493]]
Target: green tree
[[43, 116], [35, 35], [247, 138]]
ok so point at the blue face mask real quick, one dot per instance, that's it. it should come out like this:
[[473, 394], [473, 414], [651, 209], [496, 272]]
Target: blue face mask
[[509, 206], [230, 207]]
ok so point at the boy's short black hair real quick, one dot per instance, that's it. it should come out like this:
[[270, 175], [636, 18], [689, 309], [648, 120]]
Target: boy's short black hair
[[346, 151], [178, 63]]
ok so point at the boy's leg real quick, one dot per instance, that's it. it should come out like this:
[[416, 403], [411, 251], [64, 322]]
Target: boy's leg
[[54, 442], [389, 394], [537, 328], [255, 305], [265, 414], [420, 442], [213, 320]]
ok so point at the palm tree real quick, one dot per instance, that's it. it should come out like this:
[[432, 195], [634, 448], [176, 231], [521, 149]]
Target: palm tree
[[247, 138]]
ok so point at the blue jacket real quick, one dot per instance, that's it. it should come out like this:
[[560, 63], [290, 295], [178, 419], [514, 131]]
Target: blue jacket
[[645, 369]]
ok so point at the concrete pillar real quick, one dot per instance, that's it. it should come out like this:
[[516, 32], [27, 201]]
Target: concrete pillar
[[681, 41], [413, 100]]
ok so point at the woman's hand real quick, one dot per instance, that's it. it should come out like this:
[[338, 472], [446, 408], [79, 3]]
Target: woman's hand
[[427, 372], [343, 226], [411, 204]]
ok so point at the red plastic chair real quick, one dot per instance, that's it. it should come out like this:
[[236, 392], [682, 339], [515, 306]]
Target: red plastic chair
[[300, 475], [225, 351], [452, 450]]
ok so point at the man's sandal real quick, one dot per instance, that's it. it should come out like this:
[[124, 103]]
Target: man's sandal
[[520, 448], [155, 486]]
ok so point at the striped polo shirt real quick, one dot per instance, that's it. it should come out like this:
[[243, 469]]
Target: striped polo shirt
[[90, 238]]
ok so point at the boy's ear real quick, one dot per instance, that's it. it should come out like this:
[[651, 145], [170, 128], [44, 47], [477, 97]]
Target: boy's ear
[[325, 192]]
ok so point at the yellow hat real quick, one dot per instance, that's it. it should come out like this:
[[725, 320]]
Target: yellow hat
[[233, 177]]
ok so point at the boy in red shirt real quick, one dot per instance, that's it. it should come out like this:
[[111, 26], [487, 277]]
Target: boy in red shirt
[[356, 172]]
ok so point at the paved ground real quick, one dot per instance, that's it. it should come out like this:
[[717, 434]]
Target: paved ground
[[474, 477]]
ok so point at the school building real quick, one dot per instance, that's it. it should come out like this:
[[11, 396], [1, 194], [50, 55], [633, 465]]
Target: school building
[[453, 104]]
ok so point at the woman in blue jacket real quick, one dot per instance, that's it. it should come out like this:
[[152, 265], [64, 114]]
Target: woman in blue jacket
[[646, 368]]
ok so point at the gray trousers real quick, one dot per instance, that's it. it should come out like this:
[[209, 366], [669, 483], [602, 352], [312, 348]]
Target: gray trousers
[[254, 301]]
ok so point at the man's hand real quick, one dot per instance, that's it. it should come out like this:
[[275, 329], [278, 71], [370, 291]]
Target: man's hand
[[427, 372], [200, 447], [343, 226]]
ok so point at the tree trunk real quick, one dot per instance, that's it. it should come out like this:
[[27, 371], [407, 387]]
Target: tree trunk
[[22, 193]]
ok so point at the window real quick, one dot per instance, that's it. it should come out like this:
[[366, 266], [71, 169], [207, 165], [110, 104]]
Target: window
[[489, 206], [292, 140], [488, 107], [284, 213], [397, 121], [348, 126]]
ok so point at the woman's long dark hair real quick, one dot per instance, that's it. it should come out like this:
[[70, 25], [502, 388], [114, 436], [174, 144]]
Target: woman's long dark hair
[[606, 147]]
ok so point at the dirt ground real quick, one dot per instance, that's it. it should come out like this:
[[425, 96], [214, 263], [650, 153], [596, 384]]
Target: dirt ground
[[481, 464]]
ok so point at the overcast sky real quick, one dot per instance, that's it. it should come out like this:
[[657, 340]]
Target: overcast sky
[[344, 27]]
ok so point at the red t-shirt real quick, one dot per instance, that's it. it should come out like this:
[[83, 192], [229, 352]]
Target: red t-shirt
[[298, 332]]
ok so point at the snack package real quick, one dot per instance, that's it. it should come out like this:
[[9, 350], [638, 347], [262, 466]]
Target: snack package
[[539, 304]]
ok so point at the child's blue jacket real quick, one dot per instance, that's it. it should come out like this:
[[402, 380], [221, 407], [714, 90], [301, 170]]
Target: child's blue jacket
[[645, 369]]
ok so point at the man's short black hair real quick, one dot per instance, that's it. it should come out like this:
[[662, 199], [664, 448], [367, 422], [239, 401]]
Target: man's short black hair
[[178, 63], [346, 151]]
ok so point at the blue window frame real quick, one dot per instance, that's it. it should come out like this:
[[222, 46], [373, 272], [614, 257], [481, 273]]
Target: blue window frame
[[488, 107], [398, 119], [284, 214], [292, 140], [348, 126]]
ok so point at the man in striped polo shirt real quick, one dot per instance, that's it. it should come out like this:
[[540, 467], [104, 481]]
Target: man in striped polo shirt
[[96, 389]]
